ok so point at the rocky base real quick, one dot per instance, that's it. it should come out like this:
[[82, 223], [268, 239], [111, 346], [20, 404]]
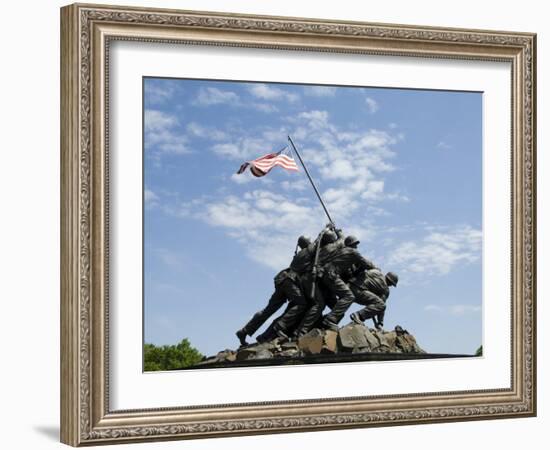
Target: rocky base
[[352, 338]]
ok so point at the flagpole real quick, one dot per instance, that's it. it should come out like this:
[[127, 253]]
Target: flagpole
[[310, 179]]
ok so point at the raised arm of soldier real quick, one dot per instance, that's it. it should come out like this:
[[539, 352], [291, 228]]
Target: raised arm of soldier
[[364, 263], [360, 262]]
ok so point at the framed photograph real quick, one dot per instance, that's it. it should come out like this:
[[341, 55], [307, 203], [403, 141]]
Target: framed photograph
[[279, 224]]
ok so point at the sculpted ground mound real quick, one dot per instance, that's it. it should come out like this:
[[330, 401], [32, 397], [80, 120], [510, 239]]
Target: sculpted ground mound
[[351, 339]]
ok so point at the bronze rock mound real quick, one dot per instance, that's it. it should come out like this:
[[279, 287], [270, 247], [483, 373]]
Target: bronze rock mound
[[353, 342]]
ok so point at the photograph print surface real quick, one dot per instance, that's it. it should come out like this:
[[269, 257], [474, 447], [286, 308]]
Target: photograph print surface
[[295, 224]]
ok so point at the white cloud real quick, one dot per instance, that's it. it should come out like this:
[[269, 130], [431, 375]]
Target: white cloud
[[150, 198], [267, 92], [398, 196], [374, 140], [296, 184], [265, 107], [242, 149], [373, 190], [183, 209], [438, 252], [365, 233], [320, 91], [342, 169], [214, 96], [156, 120], [267, 224], [243, 178], [159, 92], [372, 105], [348, 164], [163, 134], [376, 211], [211, 133], [229, 150], [353, 162], [315, 119], [340, 201], [443, 145]]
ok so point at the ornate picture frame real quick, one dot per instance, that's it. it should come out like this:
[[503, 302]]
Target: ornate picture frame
[[87, 31]]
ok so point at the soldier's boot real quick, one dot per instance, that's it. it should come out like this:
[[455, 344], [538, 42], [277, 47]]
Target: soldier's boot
[[318, 323], [241, 335], [282, 335], [261, 338], [329, 325], [297, 335], [276, 331], [355, 317], [266, 336]]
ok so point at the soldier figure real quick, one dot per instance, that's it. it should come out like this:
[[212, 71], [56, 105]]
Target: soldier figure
[[287, 287], [371, 288], [335, 266], [328, 241], [303, 264], [318, 275]]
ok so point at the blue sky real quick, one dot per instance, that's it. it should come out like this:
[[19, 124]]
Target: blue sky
[[401, 169]]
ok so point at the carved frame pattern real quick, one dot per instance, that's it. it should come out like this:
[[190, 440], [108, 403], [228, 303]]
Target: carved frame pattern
[[86, 418]]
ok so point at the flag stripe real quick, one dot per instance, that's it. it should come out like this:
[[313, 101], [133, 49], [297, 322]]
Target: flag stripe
[[278, 158], [271, 164], [266, 167], [287, 167], [277, 163], [261, 166]]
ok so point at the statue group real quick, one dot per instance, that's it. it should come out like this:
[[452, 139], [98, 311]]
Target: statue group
[[328, 272]]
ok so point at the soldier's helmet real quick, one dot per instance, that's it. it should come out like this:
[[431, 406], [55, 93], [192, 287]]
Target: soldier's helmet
[[351, 241], [328, 237], [392, 278], [303, 241]]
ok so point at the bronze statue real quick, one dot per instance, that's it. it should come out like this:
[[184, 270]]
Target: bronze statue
[[328, 241], [287, 287], [338, 265], [327, 272], [371, 289]]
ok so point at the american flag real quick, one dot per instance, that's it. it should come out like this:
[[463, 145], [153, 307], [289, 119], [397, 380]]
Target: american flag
[[262, 165]]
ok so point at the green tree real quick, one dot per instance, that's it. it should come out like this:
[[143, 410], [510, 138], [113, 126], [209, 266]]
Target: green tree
[[479, 351], [170, 357]]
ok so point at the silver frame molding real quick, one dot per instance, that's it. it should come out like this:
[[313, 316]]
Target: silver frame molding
[[86, 31]]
